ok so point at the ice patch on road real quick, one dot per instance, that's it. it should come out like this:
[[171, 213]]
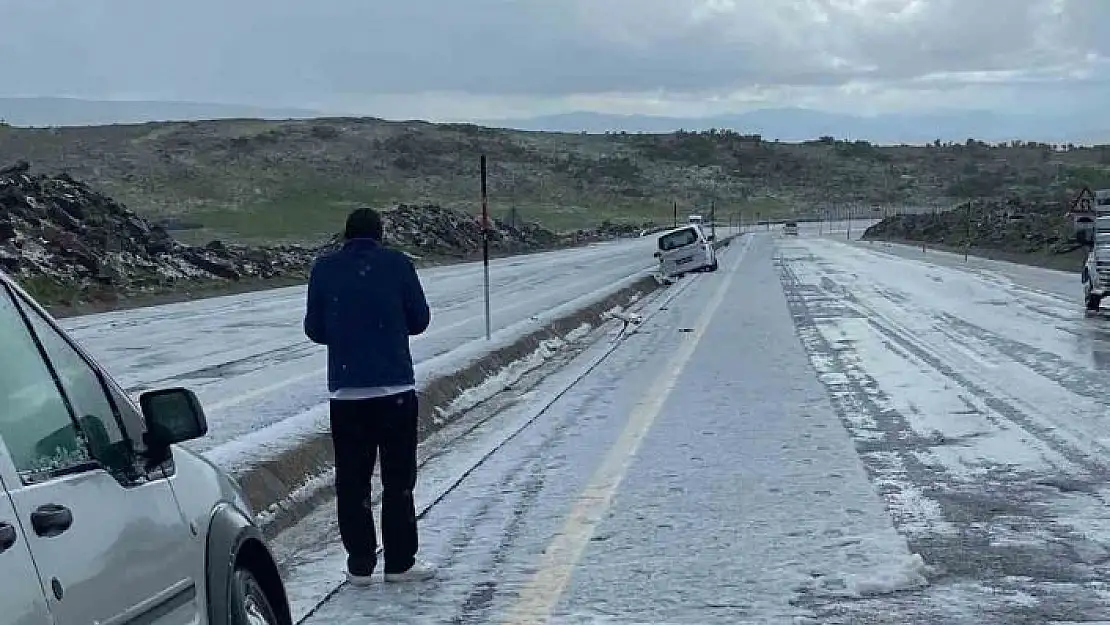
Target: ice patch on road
[[906, 573], [917, 514], [899, 574]]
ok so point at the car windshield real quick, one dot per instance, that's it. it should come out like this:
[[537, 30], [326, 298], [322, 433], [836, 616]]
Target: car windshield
[[677, 239]]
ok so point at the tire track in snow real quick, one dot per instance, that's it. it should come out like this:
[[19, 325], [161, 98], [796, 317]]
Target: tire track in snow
[[999, 554]]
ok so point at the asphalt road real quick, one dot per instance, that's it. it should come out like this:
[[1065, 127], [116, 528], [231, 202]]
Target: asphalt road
[[824, 431], [700, 475]]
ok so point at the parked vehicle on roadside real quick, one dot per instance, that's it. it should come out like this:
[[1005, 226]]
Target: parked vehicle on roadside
[[686, 249], [104, 517], [1096, 267], [790, 228]]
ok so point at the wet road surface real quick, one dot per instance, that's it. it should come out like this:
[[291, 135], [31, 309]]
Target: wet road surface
[[822, 432], [977, 397], [701, 475]]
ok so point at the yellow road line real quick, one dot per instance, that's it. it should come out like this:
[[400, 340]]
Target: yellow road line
[[539, 596]]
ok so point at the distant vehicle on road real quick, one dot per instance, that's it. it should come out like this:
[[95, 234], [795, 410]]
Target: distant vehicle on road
[[790, 228], [100, 505], [694, 219], [684, 250]]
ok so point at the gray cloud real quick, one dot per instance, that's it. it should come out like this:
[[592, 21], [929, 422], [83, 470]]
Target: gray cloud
[[293, 52]]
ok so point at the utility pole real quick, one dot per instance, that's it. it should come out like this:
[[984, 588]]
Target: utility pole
[[967, 231], [676, 213], [485, 241], [713, 218]]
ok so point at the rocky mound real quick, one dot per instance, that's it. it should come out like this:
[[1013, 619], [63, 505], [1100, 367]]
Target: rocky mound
[[434, 231], [1011, 227], [57, 234], [69, 243]]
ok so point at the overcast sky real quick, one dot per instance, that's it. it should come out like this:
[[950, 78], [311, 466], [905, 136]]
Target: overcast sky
[[466, 59]]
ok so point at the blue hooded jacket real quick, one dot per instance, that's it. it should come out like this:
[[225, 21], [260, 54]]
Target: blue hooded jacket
[[364, 302]]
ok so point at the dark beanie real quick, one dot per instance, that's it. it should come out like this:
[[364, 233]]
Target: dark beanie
[[364, 223]]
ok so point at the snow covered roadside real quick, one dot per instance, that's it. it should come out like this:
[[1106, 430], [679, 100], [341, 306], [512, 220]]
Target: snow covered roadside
[[260, 445], [978, 402], [286, 468]]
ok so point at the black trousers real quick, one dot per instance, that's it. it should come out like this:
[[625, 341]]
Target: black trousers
[[360, 430]]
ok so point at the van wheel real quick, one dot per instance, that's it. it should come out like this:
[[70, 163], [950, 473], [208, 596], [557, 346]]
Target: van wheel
[[714, 266], [1093, 302], [248, 603]]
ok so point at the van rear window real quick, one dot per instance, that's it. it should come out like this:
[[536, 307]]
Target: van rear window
[[677, 239]]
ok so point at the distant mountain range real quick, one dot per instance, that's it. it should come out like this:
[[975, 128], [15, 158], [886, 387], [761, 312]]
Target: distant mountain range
[[44, 111], [783, 124], [795, 124]]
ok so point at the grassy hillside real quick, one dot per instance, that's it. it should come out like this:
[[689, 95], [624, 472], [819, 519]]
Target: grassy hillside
[[253, 180]]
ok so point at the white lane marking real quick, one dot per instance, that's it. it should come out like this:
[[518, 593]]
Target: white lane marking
[[539, 596]]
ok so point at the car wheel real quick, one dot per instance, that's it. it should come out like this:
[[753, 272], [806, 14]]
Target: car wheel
[[247, 601]]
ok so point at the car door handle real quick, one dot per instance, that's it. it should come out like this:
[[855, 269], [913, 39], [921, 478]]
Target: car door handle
[[8, 536], [51, 519]]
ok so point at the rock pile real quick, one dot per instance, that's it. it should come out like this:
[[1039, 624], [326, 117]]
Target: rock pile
[[1012, 226], [435, 231], [58, 235], [69, 243]]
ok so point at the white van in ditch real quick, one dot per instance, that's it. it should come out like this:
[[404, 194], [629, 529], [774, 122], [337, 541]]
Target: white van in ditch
[[684, 250], [104, 517]]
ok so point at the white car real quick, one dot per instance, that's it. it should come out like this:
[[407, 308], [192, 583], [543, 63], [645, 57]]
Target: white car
[[104, 517], [684, 250], [790, 228]]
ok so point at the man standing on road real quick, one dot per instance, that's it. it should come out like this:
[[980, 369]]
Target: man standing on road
[[364, 302]]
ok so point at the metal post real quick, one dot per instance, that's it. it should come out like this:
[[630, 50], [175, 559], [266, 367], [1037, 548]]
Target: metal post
[[967, 235], [849, 235], [485, 242], [676, 213], [713, 219]]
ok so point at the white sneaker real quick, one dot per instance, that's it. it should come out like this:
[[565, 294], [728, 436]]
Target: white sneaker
[[359, 580], [418, 572]]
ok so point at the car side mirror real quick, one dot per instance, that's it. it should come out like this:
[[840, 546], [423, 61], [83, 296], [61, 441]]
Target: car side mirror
[[173, 415], [710, 237], [658, 254]]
